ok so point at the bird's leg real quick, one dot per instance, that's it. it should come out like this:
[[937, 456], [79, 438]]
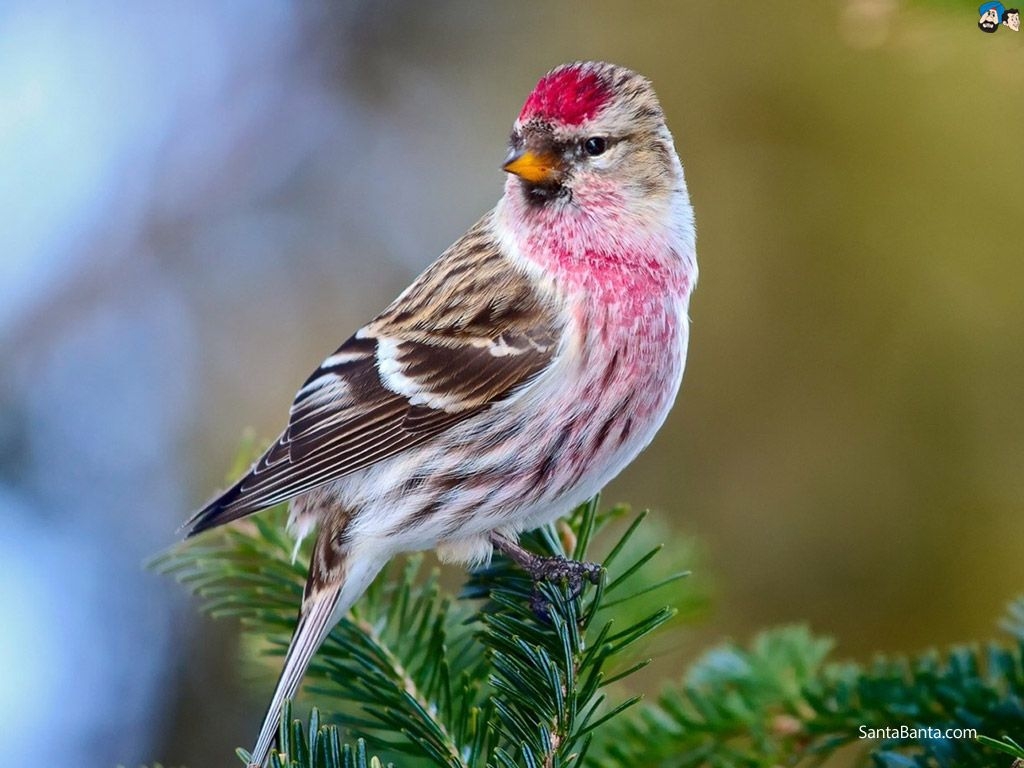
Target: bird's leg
[[551, 569]]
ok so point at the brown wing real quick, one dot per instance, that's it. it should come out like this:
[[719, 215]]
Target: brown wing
[[466, 334]]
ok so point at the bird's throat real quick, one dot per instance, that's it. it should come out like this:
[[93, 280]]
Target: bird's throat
[[544, 195]]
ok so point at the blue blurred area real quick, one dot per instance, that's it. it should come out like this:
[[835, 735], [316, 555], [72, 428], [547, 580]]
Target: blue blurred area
[[114, 121], [93, 95], [197, 205]]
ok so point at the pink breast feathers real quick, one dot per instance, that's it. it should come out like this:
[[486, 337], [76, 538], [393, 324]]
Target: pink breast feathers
[[567, 96]]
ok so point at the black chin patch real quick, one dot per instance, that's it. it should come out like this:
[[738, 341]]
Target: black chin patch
[[542, 194]]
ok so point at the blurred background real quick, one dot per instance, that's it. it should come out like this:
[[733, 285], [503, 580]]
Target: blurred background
[[200, 201]]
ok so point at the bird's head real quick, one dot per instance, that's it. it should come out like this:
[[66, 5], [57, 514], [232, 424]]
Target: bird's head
[[593, 135]]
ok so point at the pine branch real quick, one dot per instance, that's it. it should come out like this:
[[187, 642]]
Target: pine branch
[[458, 683], [558, 661], [780, 701], [315, 746], [736, 707], [428, 679], [1007, 745]]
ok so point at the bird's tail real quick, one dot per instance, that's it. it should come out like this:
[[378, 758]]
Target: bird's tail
[[336, 580]]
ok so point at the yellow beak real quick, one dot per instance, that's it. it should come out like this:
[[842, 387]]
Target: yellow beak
[[534, 167]]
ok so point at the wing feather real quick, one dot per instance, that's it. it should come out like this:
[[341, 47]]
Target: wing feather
[[470, 331]]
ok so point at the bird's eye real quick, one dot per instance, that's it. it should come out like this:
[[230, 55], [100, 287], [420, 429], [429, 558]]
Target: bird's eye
[[595, 146]]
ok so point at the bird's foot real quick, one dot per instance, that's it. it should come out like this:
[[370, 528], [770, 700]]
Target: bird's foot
[[559, 570], [556, 570]]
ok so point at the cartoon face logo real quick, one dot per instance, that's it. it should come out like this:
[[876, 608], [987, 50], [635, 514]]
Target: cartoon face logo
[[1011, 19], [991, 14]]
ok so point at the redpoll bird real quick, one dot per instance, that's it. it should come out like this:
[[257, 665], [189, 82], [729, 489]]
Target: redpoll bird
[[512, 380]]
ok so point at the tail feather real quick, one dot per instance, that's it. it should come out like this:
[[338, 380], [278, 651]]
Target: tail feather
[[315, 623], [330, 592]]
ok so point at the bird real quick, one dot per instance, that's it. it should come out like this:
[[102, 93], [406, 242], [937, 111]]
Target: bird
[[516, 376]]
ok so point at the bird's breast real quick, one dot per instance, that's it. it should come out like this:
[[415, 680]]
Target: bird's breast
[[618, 374]]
